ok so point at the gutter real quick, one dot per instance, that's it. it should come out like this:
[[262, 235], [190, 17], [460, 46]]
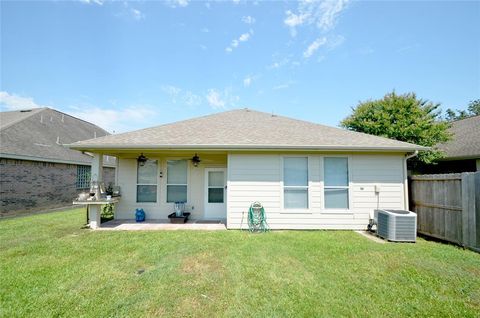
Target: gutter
[[405, 178], [87, 147]]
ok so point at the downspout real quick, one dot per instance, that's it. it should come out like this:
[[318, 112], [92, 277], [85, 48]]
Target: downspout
[[405, 177]]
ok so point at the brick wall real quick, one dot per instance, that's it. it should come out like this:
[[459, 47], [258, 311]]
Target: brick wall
[[27, 186]]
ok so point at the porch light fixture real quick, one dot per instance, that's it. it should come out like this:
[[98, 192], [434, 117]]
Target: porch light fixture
[[196, 160], [141, 160]]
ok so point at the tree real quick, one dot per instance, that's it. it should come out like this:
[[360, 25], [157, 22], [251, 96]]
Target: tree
[[472, 110], [402, 117], [474, 107]]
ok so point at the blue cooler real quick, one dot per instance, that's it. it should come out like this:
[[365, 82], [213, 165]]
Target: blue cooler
[[139, 215]]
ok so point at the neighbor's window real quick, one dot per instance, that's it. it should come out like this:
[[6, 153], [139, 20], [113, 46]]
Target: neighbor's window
[[295, 183], [147, 181], [177, 181], [336, 182], [83, 177]]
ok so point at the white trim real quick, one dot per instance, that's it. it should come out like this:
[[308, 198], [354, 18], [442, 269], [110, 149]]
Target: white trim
[[245, 147], [165, 175], [148, 184], [349, 187], [206, 187], [308, 210]]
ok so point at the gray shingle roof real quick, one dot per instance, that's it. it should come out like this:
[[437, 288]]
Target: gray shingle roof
[[39, 134], [244, 129], [465, 142]]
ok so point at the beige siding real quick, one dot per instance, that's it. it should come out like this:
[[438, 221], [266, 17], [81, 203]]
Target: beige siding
[[127, 178], [254, 177]]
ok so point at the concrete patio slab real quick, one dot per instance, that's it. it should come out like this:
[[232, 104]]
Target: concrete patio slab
[[371, 236], [131, 225]]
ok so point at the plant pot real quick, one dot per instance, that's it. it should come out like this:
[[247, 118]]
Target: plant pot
[[178, 219]]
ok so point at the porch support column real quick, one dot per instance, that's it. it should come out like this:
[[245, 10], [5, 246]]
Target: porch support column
[[96, 175]]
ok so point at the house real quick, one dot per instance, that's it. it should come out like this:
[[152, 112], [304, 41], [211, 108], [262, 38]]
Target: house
[[462, 152], [36, 171], [306, 175]]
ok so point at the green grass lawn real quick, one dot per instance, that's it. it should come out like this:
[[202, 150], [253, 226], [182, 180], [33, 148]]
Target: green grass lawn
[[50, 266]]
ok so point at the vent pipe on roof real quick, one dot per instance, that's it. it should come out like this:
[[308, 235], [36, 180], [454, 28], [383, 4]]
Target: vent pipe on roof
[[41, 119], [58, 140], [94, 134], [63, 117]]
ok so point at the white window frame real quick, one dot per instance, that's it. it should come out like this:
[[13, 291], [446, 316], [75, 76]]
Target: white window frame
[[307, 187], [349, 187], [176, 184], [148, 184]]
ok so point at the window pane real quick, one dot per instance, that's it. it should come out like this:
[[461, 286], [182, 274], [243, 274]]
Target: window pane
[[295, 198], [177, 172], [336, 171], [147, 174], [336, 198], [215, 179], [146, 193], [215, 195], [295, 171], [176, 193]]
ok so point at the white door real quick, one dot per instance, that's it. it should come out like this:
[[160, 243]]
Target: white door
[[215, 193]]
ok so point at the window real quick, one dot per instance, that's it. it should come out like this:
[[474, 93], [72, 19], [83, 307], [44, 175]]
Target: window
[[336, 183], [147, 181], [295, 183], [83, 177], [177, 181], [216, 186]]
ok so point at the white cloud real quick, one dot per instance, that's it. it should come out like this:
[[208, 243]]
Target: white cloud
[[248, 19], [314, 46], [323, 14], [244, 37], [221, 100], [281, 86], [99, 2], [115, 120], [214, 99], [179, 96], [247, 81], [236, 1], [235, 42], [16, 102], [205, 30], [177, 3], [137, 14]]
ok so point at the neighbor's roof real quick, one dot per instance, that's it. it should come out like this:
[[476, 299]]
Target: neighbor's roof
[[465, 143], [244, 129], [39, 134]]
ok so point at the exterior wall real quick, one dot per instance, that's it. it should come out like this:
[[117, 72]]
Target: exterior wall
[[34, 186], [253, 177], [127, 178]]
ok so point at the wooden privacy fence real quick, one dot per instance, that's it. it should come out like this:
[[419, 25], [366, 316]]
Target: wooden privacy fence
[[448, 206]]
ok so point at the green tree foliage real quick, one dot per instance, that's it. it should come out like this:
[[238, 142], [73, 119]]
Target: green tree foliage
[[472, 110], [402, 117]]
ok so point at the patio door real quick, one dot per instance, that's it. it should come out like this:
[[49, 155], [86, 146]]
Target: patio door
[[215, 193]]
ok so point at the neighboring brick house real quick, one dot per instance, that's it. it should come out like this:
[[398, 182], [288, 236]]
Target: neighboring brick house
[[36, 171]]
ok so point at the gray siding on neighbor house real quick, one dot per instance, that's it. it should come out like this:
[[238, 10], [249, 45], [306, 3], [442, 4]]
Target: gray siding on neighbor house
[[34, 186]]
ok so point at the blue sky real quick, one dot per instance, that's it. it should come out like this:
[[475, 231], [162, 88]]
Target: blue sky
[[130, 65]]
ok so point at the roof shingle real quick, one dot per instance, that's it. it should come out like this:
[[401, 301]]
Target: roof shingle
[[41, 134], [465, 142], [244, 129]]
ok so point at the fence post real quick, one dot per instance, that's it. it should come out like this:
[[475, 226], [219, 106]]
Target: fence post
[[468, 209], [477, 207]]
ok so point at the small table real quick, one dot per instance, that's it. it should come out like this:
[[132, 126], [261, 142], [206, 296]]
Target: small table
[[94, 209]]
